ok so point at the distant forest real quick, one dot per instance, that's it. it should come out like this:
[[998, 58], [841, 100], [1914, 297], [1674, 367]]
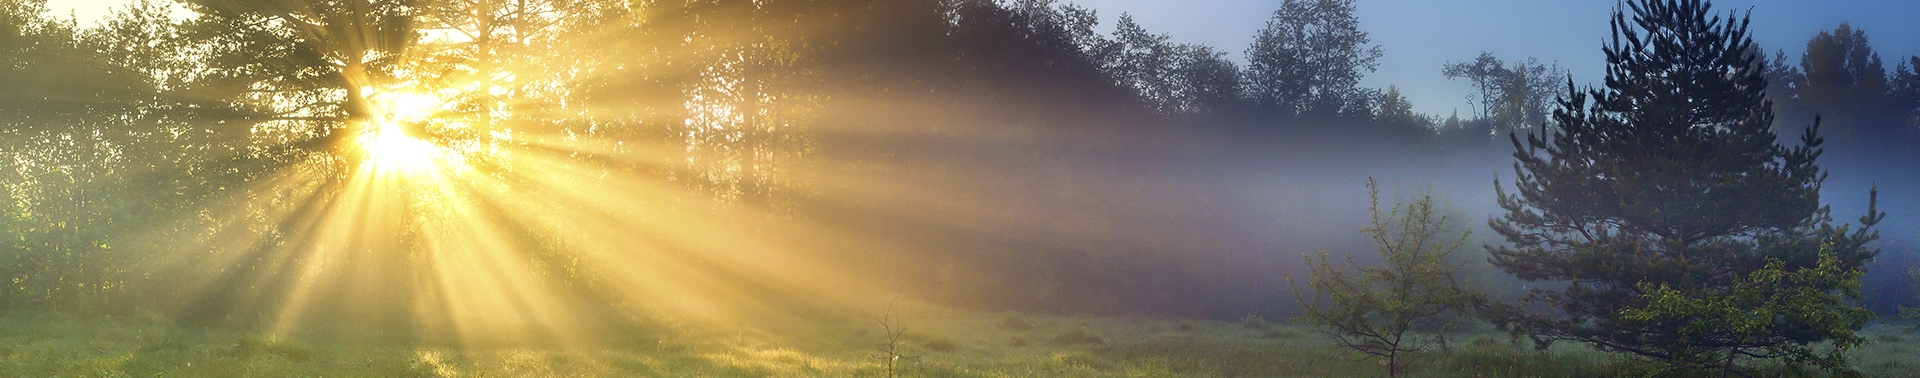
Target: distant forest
[[1001, 155]]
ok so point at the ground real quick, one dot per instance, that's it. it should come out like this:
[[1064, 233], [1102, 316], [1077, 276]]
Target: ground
[[938, 342]]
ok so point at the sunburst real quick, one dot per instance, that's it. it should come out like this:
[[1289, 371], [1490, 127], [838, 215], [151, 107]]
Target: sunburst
[[392, 141]]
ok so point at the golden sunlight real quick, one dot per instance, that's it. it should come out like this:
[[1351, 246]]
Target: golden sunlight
[[389, 148], [392, 142]]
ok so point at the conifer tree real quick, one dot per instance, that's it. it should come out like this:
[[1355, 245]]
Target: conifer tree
[[1682, 231]]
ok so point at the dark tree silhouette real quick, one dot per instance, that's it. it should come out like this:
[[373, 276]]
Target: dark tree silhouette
[[1309, 60], [1172, 78], [1906, 93], [305, 63], [1513, 97], [1682, 230], [1845, 82]]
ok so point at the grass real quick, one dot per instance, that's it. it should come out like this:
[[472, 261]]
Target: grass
[[943, 343]]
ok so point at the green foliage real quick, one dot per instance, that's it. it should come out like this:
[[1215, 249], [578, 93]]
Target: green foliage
[[93, 151], [1375, 309], [1667, 202], [1745, 319]]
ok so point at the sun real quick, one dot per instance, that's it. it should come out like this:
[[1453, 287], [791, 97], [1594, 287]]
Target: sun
[[388, 141]]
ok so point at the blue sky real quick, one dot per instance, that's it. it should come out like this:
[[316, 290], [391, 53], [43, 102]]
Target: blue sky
[[1421, 35]]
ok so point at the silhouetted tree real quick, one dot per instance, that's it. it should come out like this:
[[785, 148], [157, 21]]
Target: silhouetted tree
[[1783, 80], [1172, 78], [1846, 84], [1906, 92], [1395, 109], [301, 66], [1682, 231], [1309, 60], [1513, 97]]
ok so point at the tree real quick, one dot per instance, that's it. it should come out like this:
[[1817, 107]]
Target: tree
[[51, 80], [1395, 109], [1667, 205], [1375, 309], [1906, 92], [1846, 84], [1171, 78], [1512, 97], [1309, 60], [1783, 83], [303, 66]]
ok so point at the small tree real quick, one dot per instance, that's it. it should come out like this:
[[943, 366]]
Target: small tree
[[1374, 309]]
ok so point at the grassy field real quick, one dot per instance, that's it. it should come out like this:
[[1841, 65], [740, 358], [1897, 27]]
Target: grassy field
[[937, 342]]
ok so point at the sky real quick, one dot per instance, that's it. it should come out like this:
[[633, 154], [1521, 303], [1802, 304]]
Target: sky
[[1419, 36]]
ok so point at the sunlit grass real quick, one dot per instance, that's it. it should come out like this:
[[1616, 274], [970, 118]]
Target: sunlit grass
[[940, 343]]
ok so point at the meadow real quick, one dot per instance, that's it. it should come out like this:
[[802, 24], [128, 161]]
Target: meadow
[[937, 342]]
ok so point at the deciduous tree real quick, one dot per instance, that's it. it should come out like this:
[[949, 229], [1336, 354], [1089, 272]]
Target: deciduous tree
[[1375, 309], [1309, 60]]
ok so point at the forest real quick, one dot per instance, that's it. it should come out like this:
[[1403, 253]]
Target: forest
[[979, 187]]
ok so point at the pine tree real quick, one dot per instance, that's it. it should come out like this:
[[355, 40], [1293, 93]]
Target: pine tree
[[1683, 232]]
